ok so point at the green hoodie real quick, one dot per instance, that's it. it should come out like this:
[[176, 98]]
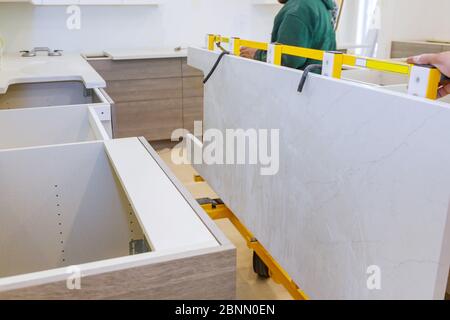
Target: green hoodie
[[303, 23]]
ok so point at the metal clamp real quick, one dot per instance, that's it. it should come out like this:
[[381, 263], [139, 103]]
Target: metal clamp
[[308, 69]]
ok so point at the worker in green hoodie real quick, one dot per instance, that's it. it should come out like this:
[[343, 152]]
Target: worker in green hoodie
[[301, 23]]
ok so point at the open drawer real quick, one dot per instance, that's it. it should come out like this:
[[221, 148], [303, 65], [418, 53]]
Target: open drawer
[[113, 210]]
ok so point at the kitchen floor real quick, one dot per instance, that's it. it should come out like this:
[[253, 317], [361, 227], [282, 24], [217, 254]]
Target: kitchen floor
[[249, 285]]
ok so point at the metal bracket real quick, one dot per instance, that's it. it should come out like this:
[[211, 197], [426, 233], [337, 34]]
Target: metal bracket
[[308, 69], [274, 54], [87, 92], [332, 64], [424, 81], [139, 246]]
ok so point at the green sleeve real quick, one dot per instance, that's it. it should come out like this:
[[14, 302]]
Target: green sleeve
[[294, 32], [261, 55]]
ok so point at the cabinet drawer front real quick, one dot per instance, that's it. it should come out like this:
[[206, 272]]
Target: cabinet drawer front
[[189, 71], [154, 119], [192, 87], [112, 70], [143, 90]]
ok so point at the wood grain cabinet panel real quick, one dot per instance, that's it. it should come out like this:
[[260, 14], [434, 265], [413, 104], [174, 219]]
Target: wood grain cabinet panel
[[152, 97], [112, 70], [192, 111], [192, 87], [143, 90], [189, 71], [153, 119], [405, 49]]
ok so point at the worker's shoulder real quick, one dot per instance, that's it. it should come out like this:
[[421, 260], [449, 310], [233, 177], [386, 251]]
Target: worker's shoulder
[[303, 8]]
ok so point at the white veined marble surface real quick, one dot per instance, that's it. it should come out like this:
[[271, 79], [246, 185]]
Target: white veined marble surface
[[364, 179], [68, 67]]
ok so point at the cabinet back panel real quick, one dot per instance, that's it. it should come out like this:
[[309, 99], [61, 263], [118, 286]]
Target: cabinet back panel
[[61, 206]]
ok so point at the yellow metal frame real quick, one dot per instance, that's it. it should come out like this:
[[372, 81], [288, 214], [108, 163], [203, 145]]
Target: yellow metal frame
[[342, 60], [433, 84], [277, 273]]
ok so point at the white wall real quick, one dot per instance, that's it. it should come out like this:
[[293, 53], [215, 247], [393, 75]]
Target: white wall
[[173, 23], [413, 20], [183, 22], [346, 33]]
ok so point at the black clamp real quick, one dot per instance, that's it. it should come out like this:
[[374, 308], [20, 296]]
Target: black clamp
[[308, 69], [223, 54]]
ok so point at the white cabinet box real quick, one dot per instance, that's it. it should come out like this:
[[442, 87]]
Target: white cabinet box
[[53, 125], [37, 114], [113, 210], [50, 94]]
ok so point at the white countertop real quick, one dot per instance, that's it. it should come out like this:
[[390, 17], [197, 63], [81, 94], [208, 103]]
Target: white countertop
[[69, 67], [145, 53]]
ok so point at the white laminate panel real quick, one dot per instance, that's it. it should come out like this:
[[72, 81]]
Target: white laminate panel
[[364, 179], [164, 214], [60, 206], [46, 126]]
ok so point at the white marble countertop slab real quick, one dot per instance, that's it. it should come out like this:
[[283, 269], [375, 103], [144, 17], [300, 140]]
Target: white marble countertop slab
[[357, 206], [68, 67], [145, 53]]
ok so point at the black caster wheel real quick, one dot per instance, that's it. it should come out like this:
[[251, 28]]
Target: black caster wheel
[[259, 267]]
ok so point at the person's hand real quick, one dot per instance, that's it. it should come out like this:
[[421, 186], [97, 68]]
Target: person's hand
[[248, 53], [440, 61]]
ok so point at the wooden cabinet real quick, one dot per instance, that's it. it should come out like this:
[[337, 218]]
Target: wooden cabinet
[[403, 49], [153, 97]]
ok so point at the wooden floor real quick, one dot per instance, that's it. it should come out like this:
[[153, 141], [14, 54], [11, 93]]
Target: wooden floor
[[249, 285]]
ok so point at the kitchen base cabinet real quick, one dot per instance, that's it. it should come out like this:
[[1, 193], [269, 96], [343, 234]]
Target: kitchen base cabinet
[[403, 49], [153, 97], [49, 94], [192, 112], [109, 218], [153, 119], [32, 127]]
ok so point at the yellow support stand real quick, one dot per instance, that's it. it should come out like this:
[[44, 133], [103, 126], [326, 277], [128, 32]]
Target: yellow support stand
[[276, 51], [303, 52], [433, 84], [332, 64], [211, 42], [235, 46], [198, 179], [274, 54], [221, 211]]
